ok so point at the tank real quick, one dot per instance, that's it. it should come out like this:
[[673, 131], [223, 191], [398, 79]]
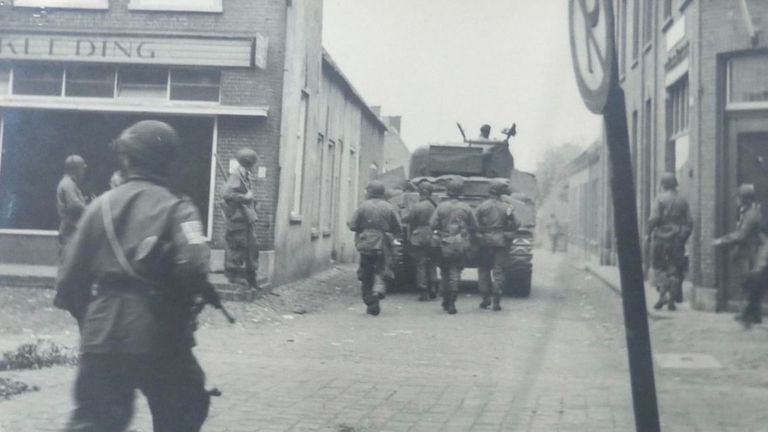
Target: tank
[[478, 162]]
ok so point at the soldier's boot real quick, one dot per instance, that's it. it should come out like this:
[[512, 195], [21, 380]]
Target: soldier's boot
[[424, 296], [671, 305], [662, 301], [452, 305], [496, 302], [435, 287], [446, 301], [373, 309], [486, 301]]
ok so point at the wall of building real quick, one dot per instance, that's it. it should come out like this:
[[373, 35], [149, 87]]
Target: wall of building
[[396, 153]]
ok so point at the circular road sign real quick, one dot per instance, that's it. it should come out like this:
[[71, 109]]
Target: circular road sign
[[591, 25]]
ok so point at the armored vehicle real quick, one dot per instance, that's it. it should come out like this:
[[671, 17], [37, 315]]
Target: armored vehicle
[[478, 162]]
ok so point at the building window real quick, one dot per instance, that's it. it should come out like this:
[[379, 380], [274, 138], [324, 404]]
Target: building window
[[648, 21], [678, 115], [37, 79], [177, 5], [667, 9], [298, 170], [195, 85], [317, 186], [5, 79], [748, 79], [635, 29], [143, 83], [329, 170], [90, 81], [623, 37], [65, 4]]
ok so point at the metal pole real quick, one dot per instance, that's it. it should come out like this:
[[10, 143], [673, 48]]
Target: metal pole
[[630, 265]]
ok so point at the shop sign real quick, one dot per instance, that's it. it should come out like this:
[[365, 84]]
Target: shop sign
[[134, 50], [677, 56]]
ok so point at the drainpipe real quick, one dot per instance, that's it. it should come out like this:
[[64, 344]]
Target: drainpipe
[[754, 34]]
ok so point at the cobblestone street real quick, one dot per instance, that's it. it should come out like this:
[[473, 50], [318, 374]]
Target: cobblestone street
[[554, 362]]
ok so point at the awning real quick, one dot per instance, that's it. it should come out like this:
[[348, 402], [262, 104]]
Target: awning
[[142, 106]]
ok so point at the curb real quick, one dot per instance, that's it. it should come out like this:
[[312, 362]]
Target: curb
[[616, 289]]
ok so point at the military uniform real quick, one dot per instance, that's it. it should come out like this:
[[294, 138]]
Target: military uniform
[[241, 243], [421, 246], [136, 332], [751, 256], [670, 226], [373, 223], [455, 224], [70, 204], [495, 223]]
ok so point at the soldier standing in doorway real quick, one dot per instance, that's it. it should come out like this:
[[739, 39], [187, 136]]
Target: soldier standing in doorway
[[242, 248], [70, 202], [751, 253], [144, 250], [374, 222], [421, 242], [456, 225], [495, 223], [669, 227]]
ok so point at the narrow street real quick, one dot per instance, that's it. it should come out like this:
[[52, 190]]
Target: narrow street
[[554, 362]]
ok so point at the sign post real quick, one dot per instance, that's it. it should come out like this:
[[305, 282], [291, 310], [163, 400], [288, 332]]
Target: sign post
[[594, 61]]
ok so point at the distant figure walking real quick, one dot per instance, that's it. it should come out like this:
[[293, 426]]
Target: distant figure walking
[[70, 201], [669, 227], [374, 222], [554, 231], [751, 253]]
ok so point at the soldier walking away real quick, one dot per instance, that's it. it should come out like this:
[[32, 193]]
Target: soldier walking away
[[421, 242], [373, 223], [70, 201], [456, 225], [241, 244], [751, 253], [555, 231], [669, 227], [144, 250], [495, 224]]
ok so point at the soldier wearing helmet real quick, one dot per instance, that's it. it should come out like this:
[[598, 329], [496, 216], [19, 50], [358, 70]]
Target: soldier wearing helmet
[[751, 254], [456, 225], [496, 222], [669, 227], [421, 242], [241, 257], [144, 250], [375, 222], [70, 201]]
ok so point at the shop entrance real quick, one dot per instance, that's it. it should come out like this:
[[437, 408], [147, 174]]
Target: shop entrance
[[36, 142]]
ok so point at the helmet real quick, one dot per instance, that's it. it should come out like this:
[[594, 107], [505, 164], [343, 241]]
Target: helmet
[[455, 187], [375, 189], [148, 144], [498, 188], [485, 129], [426, 188], [246, 157], [73, 163], [668, 181], [746, 192]]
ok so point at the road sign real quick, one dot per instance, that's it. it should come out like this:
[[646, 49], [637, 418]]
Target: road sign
[[592, 50]]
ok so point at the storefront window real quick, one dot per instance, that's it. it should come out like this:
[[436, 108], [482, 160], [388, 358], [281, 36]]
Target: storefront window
[[143, 83], [177, 5], [90, 81], [748, 79], [5, 79], [37, 79], [678, 116], [72, 4], [195, 85]]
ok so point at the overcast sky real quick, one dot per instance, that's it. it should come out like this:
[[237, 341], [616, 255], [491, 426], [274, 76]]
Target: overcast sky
[[436, 62]]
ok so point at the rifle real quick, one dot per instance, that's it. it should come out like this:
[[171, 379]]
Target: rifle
[[211, 296]]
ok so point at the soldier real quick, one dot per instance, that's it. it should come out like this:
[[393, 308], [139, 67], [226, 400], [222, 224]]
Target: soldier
[[495, 223], [241, 217], [421, 243], [144, 250], [751, 253], [455, 224], [485, 133], [373, 223], [70, 201], [669, 227], [554, 230]]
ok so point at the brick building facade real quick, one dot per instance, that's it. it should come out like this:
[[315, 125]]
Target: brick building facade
[[695, 76], [226, 73]]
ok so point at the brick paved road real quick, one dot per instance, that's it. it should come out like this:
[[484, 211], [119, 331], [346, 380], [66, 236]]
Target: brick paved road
[[554, 362]]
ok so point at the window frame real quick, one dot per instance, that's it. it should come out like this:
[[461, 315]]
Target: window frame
[[208, 6], [63, 4]]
